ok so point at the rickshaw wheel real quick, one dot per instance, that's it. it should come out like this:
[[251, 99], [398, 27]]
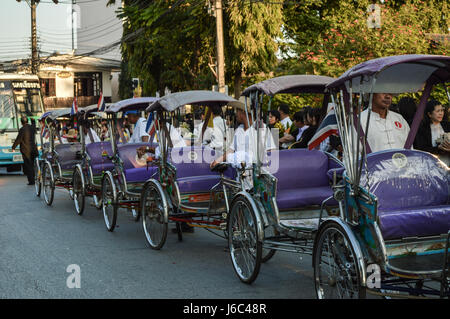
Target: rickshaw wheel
[[48, 183], [109, 201], [136, 214], [154, 215], [267, 254], [78, 190], [336, 271], [37, 178], [97, 202], [245, 248]]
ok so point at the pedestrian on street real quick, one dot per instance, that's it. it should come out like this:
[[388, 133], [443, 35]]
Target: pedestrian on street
[[28, 148]]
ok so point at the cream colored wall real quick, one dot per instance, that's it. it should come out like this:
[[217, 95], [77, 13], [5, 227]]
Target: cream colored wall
[[64, 86]]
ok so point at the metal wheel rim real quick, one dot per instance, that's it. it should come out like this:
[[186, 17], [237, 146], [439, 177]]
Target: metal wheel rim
[[97, 202], [155, 229], [37, 179], [267, 254], [107, 203], [336, 269], [47, 184], [78, 196], [243, 241]]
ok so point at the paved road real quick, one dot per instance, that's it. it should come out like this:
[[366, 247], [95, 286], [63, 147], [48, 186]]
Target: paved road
[[37, 243]]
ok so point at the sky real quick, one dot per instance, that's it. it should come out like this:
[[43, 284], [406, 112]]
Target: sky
[[53, 25]]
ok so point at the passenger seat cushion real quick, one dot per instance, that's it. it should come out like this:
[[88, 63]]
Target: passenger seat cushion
[[303, 197], [98, 162], [422, 221], [407, 179], [67, 154], [194, 174], [197, 184], [127, 153], [140, 174], [412, 190], [301, 168]]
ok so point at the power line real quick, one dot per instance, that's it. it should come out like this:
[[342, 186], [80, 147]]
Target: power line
[[87, 29]]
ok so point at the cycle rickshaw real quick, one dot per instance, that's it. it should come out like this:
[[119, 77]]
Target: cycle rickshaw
[[58, 162], [291, 191], [42, 154], [392, 235], [185, 189], [88, 174], [121, 186]]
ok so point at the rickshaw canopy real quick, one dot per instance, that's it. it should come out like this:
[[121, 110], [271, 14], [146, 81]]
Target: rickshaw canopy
[[90, 109], [138, 103], [291, 84], [46, 114], [173, 101], [59, 113], [395, 74]]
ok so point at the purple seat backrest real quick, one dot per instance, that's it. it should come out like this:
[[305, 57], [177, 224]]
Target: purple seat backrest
[[95, 151], [127, 153], [407, 179], [67, 152], [192, 161], [301, 168]]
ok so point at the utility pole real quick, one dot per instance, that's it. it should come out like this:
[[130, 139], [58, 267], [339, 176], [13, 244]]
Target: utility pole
[[220, 47], [34, 51]]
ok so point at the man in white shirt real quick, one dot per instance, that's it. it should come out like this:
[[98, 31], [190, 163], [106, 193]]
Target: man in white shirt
[[198, 127], [245, 144], [387, 129], [88, 133], [295, 134], [286, 121], [217, 138], [139, 133]]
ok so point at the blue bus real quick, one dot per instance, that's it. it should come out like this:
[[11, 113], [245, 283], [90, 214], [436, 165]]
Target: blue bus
[[20, 94]]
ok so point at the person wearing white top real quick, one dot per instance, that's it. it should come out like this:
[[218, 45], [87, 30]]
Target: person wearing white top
[[285, 121], [217, 137], [198, 127], [87, 136], [387, 129], [244, 146], [139, 133]]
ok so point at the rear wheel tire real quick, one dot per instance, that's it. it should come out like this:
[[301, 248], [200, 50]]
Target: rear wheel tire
[[37, 178], [97, 201], [109, 202], [78, 191], [245, 247], [267, 254], [48, 183], [154, 215], [336, 271], [136, 214]]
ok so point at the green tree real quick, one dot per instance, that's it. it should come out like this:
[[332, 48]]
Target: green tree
[[252, 30], [329, 37]]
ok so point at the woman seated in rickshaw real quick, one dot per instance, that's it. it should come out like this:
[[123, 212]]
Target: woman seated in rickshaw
[[244, 145], [433, 135]]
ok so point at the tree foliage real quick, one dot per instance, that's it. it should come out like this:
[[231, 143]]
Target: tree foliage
[[176, 45]]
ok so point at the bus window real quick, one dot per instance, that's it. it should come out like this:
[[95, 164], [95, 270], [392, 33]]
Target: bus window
[[8, 120], [28, 101]]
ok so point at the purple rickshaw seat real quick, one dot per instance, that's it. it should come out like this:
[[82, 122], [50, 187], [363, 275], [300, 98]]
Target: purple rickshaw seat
[[134, 172], [302, 179], [98, 162], [194, 174], [67, 155], [413, 193]]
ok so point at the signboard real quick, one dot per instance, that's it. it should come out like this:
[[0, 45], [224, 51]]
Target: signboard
[[26, 85]]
